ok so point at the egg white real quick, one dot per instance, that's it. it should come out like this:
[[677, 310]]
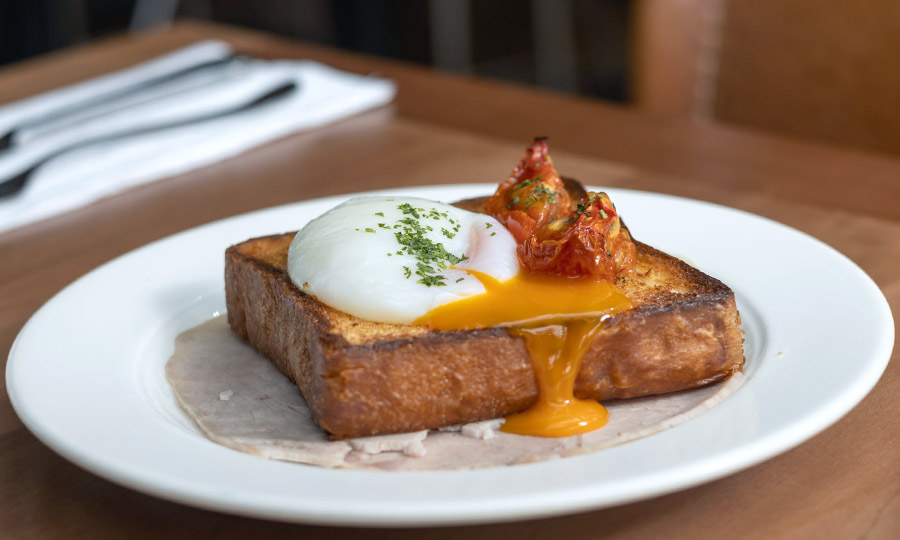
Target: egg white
[[342, 258]]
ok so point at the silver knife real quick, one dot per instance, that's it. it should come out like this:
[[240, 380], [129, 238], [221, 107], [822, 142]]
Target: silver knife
[[109, 102]]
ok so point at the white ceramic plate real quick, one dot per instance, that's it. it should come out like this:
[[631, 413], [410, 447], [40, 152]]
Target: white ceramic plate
[[86, 376]]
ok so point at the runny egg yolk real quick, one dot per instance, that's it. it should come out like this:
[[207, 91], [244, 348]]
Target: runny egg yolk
[[558, 318]]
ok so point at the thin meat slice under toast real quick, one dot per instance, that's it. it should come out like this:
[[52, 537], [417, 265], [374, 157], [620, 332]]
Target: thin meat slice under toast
[[363, 378]]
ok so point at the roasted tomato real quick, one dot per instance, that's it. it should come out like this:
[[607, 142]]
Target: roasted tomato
[[532, 197], [590, 243], [554, 235]]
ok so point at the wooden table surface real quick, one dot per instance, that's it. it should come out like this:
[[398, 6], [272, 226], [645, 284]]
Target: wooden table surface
[[843, 483]]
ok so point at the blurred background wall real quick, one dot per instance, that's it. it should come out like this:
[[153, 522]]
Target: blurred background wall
[[823, 70], [581, 46]]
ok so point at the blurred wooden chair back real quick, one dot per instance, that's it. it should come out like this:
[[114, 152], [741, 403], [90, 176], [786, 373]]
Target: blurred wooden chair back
[[824, 70]]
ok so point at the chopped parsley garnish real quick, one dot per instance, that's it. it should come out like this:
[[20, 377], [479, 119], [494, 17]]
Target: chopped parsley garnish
[[488, 225], [582, 208], [525, 183], [431, 256], [408, 210], [430, 280], [370, 230], [379, 214], [539, 192], [460, 279]]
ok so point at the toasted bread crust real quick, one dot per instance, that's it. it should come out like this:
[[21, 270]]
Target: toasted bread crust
[[364, 378]]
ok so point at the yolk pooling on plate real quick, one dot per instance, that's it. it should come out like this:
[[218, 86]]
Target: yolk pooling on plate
[[558, 317]]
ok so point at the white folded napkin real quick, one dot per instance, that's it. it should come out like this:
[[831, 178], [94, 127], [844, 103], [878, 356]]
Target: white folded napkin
[[76, 178]]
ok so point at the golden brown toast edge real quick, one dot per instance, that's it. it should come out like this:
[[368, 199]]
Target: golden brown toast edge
[[390, 378], [364, 378]]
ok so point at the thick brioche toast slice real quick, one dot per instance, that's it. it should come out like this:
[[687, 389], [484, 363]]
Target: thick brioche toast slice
[[363, 378]]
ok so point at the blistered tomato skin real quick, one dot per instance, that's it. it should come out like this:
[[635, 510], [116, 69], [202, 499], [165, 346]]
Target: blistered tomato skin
[[589, 243], [554, 235], [532, 197]]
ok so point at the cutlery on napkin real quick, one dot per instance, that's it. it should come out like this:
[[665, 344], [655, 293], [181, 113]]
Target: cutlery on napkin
[[12, 185], [223, 128], [70, 112]]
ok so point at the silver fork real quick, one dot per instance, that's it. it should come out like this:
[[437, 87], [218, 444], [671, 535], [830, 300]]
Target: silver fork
[[13, 184]]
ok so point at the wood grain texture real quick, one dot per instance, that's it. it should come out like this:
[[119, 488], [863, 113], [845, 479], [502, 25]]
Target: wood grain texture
[[844, 483], [820, 71], [675, 53], [828, 72]]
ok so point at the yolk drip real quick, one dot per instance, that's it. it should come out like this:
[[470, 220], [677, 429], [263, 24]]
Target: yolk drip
[[557, 351], [557, 317]]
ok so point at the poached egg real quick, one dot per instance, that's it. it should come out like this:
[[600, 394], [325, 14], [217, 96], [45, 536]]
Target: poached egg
[[394, 259]]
